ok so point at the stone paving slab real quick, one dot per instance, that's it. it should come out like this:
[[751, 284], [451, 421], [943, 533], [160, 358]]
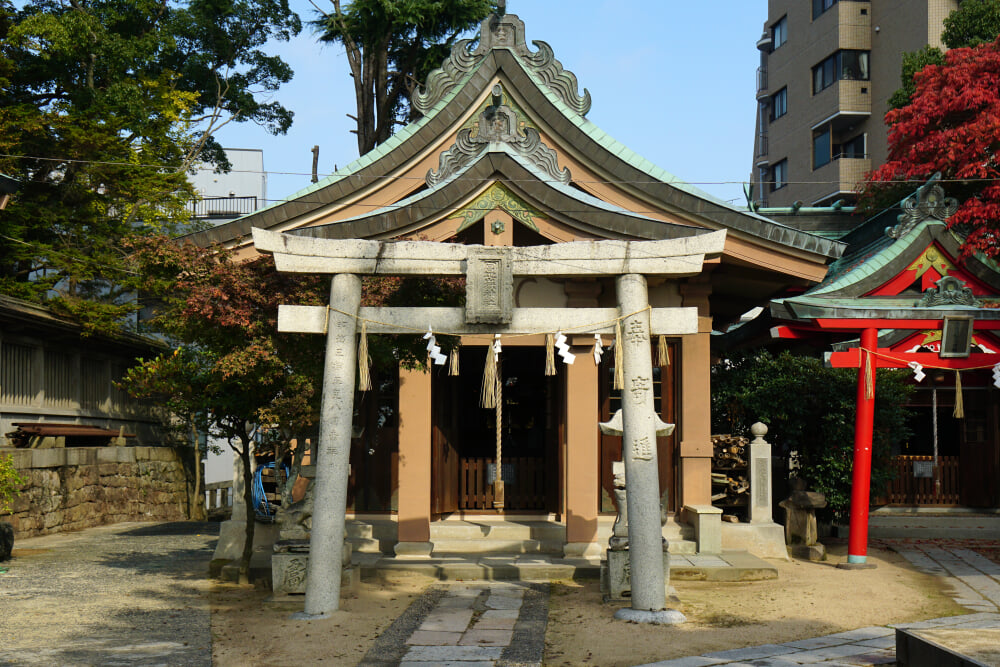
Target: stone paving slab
[[440, 633], [434, 638], [448, 620], [693, 661], [449, 663], [478, 637], [440, 654], [752, 652], [502, 602]]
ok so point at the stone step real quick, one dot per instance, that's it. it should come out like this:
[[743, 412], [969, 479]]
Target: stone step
[[497, 530], [494, 545], [358, 530]]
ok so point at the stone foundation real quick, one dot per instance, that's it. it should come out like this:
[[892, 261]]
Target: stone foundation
[[81, 487]]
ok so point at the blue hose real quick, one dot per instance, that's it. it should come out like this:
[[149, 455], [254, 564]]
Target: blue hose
[[261, 506]]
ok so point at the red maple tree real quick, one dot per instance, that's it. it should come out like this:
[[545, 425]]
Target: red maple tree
[[951, 126]]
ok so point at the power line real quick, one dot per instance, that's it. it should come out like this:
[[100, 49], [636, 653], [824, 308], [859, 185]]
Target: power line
[[389, 177]]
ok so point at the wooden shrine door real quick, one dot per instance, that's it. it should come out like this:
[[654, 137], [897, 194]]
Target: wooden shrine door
[[445, 461], [980, 449]]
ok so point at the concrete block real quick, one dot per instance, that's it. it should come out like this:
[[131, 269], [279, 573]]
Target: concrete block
[[48, 458], [707, 522], [414, 549], [764, 540]]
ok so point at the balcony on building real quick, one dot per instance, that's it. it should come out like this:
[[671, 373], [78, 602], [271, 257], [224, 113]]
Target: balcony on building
[[222, 208], [840, 178]]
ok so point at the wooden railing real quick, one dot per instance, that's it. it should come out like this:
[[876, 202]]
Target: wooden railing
[[524, 484], [909, 489], [219, 498]]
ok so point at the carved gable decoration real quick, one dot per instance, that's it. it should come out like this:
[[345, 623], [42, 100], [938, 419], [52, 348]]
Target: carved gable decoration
[[498, 125], [501, 31], [928, 203], [499, 196], [489, 286], [950, 291]]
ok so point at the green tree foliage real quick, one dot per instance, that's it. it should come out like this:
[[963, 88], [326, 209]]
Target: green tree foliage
[[913, 62], [105, 105], [10, 483], [810, 409], [952, 126], [231, 371], [392, 45], [974, 22]]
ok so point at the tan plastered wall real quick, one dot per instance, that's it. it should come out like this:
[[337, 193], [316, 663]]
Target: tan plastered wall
[[582, 474], [414, 512], [696, 392]]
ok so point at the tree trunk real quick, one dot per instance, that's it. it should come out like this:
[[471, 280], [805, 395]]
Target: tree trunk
[[197, 506], [244, 453]]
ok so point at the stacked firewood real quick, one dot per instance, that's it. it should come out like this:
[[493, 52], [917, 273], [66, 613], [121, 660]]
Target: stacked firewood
[[730, 476]]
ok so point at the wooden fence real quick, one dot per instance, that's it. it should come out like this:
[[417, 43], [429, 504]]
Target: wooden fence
[[914, 482], [524, 483]]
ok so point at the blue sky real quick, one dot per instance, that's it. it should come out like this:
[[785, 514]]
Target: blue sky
[[674, 81]]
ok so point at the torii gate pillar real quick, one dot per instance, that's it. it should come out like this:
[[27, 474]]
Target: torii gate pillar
[[326, 543]]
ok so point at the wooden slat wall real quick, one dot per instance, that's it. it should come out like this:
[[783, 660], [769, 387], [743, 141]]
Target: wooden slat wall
[[906, 489], [526, 493]]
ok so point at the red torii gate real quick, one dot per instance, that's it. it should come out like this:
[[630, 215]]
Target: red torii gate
[[909, 279], [867, 357]]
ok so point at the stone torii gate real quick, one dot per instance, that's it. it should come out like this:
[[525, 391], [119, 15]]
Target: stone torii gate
[[489, 273]]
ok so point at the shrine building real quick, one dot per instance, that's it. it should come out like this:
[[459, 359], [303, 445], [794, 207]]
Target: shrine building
[[505, 156]]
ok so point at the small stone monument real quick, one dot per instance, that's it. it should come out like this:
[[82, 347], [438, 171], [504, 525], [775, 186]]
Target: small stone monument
[[290, 560], [801, 535]]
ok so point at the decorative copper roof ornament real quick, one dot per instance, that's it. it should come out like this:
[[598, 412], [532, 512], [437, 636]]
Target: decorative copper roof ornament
[[497, 126], [501, 31], [927, 203], [950, 291]]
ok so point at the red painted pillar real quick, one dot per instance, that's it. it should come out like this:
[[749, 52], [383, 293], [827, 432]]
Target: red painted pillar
[[857, 543]]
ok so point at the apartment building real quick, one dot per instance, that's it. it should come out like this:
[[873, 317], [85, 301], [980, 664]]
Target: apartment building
[[226, 196], [827, 71]]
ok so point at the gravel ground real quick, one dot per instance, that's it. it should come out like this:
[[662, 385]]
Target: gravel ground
[[127, 594]]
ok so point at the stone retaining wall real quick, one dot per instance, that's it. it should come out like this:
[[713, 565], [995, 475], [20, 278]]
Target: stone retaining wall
[[80, 487]]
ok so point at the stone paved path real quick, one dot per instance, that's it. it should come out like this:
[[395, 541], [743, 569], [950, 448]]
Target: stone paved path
[[127, 594], [974, 582], [469, 625]]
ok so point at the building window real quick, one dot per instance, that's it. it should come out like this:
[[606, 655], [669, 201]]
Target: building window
[[847, 64], [779, 175], [820, 6], [852, 148], [821, 148], [779, 104], [779, 32]]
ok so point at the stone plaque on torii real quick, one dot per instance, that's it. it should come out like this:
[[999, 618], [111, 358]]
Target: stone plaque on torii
[[490, 273]]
